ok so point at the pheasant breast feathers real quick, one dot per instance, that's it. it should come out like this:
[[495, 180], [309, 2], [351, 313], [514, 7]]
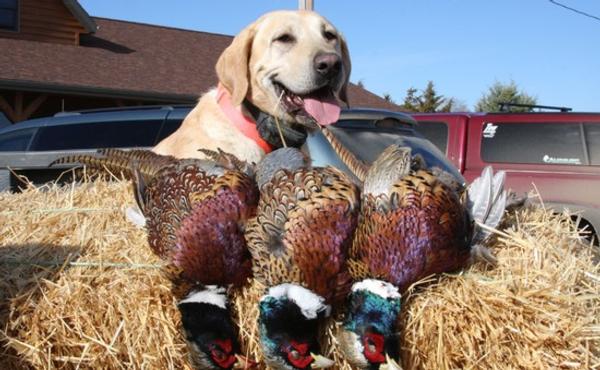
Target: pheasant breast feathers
[[304, 224], [194, 215], [416, 227]]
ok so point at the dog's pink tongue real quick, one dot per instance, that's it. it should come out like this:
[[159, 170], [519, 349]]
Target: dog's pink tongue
[[324, 109]]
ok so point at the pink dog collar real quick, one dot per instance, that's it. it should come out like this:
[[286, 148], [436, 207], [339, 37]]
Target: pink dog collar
[[243, 123]]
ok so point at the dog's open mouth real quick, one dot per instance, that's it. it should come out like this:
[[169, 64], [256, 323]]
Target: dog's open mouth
[[319, 105]]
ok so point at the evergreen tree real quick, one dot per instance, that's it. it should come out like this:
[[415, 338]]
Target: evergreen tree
[[504, 93], [428, 101], [411, 100]]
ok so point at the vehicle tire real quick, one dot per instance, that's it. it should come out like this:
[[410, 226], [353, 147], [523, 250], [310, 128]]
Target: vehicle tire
[[5, 176], [586, 230]]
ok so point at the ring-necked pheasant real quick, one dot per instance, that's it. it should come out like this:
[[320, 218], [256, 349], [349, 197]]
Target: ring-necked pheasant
[[298, 241], [413, 223], [195, 211]]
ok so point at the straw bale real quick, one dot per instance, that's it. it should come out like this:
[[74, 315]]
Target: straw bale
[[80, 289]]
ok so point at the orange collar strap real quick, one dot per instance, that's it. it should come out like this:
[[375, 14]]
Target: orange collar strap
[[246, 125]]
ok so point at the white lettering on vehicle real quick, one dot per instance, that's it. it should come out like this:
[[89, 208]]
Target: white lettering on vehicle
[[490, 130], [554, 160]]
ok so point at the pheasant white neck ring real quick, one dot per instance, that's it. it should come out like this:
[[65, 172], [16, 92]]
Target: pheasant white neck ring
[[310, 304]]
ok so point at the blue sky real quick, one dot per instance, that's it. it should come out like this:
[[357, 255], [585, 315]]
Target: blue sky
[[463, 46]]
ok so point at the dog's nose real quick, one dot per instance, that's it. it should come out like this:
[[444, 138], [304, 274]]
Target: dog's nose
[[327, 64]]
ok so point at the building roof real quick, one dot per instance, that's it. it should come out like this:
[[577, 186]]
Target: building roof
[[128, 60]]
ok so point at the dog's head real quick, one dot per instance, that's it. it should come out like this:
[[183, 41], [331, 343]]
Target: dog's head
[[290, 64]]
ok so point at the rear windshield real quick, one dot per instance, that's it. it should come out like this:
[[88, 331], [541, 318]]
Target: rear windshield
[[367, 141], [436, 132], [97, 135], [541, 143]]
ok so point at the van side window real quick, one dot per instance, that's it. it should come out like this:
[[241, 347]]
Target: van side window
[[535, 143], [436, 132], [169, 127], [592, 139], [96, 135], [16, 140]]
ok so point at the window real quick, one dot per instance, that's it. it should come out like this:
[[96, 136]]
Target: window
[[436, 132], [592, 139], [17, 140], [538, 143], [97, 135], [9, 11], [366, 142], [170, 126]]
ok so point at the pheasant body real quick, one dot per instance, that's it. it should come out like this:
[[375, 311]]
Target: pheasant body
[[413, 223], [418, 228], [195, 211], [298, 241]]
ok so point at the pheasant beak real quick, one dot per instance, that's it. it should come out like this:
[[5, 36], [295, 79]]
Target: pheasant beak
[[244, 362], [321, 362], [390, 364]]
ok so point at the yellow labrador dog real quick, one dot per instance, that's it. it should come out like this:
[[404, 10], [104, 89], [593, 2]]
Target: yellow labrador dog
[[283, 74]]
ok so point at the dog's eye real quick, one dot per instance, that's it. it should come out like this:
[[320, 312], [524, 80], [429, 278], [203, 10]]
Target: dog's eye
[[329, 35], [286, 38]]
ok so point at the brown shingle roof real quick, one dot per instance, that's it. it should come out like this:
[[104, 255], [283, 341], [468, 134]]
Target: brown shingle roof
[[129, 59]]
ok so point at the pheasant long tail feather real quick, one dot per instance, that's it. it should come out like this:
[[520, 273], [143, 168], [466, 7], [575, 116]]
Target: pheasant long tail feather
[[98, 163], [121, 161], [139, 188], [358, 168], [487, 201]]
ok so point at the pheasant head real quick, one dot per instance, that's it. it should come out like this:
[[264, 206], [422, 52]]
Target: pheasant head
[[210, 333], [289, 319], [368, 337]]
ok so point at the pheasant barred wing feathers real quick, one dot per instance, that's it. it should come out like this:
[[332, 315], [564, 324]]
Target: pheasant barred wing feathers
[[391, 165]]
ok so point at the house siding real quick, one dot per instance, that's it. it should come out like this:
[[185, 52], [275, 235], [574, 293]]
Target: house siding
[[47, 21]]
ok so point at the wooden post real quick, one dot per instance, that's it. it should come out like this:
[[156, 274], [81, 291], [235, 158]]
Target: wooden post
[[19, 112], [306, 5], [18, 109]]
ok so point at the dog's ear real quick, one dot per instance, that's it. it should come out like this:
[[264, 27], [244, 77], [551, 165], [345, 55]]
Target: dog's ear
[[347, 67], [232, 66]]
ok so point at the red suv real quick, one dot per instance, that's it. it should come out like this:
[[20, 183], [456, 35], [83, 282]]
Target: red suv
[[558, 152]]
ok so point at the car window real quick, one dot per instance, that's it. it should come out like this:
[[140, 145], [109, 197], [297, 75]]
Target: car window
[[16, 140], [97, 135], [169, 127], [367, 143], [436, 132], [592, 139], [536, 143]]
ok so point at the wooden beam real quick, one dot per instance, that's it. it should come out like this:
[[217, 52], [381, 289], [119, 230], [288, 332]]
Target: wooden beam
[[34, 105], [18, 105], [7, 109]]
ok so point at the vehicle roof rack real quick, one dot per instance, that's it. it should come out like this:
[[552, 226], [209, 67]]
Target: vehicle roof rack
[[505, 107]]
